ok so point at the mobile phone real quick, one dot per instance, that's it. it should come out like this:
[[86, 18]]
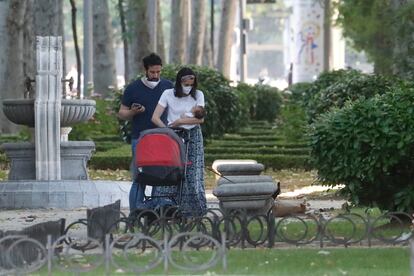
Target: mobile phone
[[137, 105]]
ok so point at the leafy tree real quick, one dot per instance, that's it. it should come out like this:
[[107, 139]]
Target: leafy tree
[[367, 23], [383, 29]]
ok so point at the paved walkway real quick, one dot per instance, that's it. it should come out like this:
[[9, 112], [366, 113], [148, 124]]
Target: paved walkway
[[18, 219]]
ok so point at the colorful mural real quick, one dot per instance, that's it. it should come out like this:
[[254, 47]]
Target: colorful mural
[[306, 31]]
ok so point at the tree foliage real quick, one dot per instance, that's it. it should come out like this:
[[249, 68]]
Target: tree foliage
[[383, 29]]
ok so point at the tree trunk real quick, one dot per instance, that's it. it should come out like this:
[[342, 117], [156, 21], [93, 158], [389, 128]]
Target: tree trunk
[[4, 46], [124, 38], [29, 41], [104, 73], [228, 16], [140, 44], [178, 31], [160, 34], [12, 79], [403, 43], [207, 51], [198, 28]]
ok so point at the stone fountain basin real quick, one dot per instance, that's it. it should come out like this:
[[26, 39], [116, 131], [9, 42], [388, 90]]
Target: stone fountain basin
[[73, 111]]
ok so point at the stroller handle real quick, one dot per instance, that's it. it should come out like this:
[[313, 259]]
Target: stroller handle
[[177, 128], [182, 132]]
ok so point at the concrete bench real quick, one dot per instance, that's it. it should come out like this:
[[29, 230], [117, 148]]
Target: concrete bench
[[242, 187]]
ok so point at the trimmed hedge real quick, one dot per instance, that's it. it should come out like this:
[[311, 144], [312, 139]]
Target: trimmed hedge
[[232, 144], [108, 145], [256, 150], [111, 162], [264, 138], [261, 132]]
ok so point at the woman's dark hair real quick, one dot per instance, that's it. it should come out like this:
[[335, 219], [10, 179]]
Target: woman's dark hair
[[150, 60], [183, 73]]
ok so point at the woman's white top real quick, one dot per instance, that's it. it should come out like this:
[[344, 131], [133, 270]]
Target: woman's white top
[[177, 106]]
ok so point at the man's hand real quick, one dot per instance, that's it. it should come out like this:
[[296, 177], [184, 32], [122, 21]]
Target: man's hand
[[137, 108]]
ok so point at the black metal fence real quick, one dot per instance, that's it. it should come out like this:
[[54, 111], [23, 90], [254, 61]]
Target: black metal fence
[[107, 239]]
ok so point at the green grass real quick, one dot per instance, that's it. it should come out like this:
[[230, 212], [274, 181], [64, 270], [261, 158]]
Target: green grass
[[292, 261]]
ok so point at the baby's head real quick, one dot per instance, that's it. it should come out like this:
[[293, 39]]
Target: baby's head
[[198, 111]]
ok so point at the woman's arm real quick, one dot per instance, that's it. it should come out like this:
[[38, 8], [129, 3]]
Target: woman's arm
[[186, 121], [156, 116]]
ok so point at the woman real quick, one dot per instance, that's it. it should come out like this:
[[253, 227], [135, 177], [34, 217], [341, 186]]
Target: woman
[[180, 100]]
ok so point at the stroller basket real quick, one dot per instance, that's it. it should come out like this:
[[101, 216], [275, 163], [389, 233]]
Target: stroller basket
[[160, 158]]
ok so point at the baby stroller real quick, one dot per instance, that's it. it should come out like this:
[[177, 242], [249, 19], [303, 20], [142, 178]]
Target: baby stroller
[[161, 160]]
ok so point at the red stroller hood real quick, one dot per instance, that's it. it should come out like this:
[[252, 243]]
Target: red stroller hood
[[159, 147]]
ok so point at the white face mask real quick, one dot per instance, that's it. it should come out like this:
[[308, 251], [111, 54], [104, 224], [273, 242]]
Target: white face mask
[[150, 84], [187, 89]]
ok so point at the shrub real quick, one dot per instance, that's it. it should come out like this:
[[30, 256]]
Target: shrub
[[103, 122], [248, 101], [268, 103], [323, 81], [349, 88], [259, 102], [124, 127], [297, 92], [368, 146], [293, 122]]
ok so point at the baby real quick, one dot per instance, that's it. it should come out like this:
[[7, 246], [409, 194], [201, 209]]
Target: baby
[[196, 112]]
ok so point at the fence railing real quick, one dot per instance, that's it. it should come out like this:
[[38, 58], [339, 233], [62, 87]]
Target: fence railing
[[147, 239]]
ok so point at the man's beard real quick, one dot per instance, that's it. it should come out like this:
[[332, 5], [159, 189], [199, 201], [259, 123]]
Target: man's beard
[[152, 79]]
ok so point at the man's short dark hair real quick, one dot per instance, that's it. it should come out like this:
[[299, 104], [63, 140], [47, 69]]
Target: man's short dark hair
[[151, 59]]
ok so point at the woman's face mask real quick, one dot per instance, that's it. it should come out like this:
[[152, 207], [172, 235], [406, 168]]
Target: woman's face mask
[[186, 89]]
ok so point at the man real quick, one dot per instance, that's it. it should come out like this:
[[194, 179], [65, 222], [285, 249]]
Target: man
[[138, 103]]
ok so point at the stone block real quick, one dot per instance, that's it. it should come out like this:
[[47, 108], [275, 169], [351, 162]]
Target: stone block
[[250, 204], [245, 189], [57, 200], [73, 199], [252, 193], [74, 157], [65, 194], [219, 162], [23, 199], [240, 169]]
